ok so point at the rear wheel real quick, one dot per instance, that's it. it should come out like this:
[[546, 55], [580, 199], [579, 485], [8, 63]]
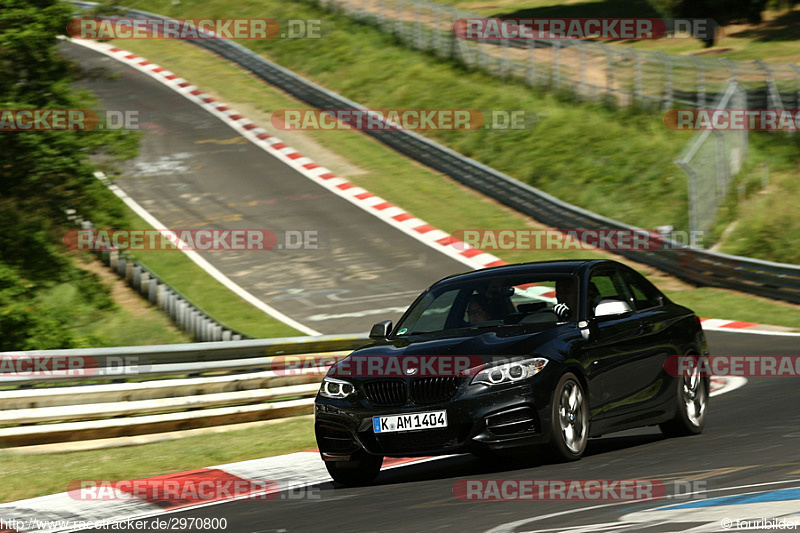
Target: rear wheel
[[361, 469], [691, 404], [569, 420]]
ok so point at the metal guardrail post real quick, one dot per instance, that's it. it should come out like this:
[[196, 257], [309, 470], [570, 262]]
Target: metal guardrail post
[[530, 73], [796, 70], [692, 192], [701, 81], [556, 70], [723, 173], [609, 72], [504, 68], [668, 88], [638, 83]]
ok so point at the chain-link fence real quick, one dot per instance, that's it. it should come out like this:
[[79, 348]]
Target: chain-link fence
[[587, 69], [711, 159]]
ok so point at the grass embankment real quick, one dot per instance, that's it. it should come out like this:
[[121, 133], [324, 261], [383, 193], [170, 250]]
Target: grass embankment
[[131, 321]]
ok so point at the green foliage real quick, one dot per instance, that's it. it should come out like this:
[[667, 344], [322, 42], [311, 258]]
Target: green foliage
[[23, 324], [42, 174], [32, 72]]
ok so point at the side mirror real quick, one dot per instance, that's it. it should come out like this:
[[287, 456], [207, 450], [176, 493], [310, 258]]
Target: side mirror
[[380, 330], [610, 308]]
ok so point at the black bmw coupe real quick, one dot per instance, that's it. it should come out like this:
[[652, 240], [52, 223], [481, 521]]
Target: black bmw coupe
[[536, 355]]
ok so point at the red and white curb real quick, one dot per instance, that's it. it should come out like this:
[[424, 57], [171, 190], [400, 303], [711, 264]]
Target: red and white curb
[[716, 324], [66, 512], [723, 384], [375, 205]]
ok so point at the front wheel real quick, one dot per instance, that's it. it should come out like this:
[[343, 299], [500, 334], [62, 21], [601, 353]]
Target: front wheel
[[569, 420], [361, 469], [692, 404]]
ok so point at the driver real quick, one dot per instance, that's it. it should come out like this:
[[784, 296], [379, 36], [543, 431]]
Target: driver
[[477, 310], [567, 299]]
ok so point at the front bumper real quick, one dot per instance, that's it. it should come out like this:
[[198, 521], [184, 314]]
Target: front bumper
[[479, 418]]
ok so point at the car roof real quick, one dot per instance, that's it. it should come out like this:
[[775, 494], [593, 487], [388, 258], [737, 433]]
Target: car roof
[[565, 266]]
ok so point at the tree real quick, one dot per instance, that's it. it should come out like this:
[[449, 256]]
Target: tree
[[42, 173], [721, 11]]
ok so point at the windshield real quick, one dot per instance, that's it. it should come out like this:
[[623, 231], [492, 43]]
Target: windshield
[[492, 302]]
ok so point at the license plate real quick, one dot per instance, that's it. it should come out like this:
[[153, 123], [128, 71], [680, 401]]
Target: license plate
[[409, 421]]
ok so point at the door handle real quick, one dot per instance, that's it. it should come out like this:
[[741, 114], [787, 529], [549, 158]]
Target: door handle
[[646, 327]]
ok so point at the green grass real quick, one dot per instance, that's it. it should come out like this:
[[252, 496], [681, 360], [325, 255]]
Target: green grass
[[767, 222], [28, 476], [216, 300], [717, 303], [123, 324]]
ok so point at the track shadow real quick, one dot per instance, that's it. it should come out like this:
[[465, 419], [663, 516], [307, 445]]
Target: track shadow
[[784, 27], [607, 9], [470, 465], [622, 442]]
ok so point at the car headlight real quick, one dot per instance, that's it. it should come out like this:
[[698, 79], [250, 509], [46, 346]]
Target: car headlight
[[336, 388], [510, 372]]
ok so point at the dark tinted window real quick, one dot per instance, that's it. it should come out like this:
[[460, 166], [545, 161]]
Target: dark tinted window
[[490, 302], [604, 285], [644, 294]]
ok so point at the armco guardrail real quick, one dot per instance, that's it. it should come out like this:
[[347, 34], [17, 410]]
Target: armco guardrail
[[184, 313], [774, 280], [139, 390]]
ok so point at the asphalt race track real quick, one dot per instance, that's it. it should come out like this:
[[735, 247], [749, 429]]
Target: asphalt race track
[[192, 172], [752, 437], [195, 172]]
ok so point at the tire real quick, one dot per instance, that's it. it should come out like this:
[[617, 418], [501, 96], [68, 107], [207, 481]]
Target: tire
[[569, 420], [691, 405], [361, 469]]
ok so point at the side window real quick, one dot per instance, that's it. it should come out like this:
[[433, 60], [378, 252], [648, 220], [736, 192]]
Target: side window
[[645, 296], [604, 285]]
